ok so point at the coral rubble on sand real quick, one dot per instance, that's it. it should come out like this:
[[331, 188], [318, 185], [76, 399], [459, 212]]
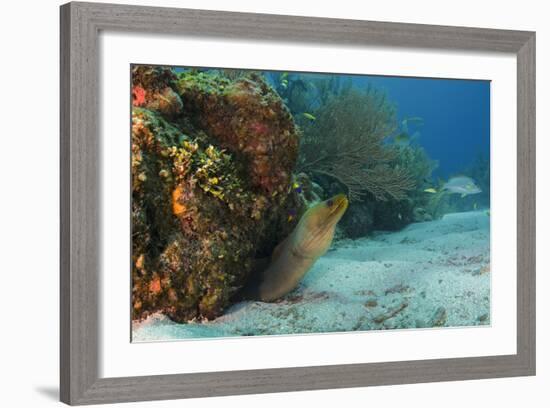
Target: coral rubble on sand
[[211, 171]]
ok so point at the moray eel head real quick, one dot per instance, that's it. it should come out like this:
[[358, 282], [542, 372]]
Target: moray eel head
[[294, 256], [315, 230]]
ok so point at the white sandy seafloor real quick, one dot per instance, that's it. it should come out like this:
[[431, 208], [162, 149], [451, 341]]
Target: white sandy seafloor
[[430, 274]]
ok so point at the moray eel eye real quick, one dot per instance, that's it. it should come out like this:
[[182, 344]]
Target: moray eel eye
[[330, 203]]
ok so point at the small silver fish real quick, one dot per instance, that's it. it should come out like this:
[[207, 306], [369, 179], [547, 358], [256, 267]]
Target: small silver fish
[[462, 185], [415, 119]]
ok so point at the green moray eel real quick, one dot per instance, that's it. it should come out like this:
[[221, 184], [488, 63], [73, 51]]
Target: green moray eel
[[294, 256]]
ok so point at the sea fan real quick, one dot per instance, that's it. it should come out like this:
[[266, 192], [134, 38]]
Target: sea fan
[[346, 143]]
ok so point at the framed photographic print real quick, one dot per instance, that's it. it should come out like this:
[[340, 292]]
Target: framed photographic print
[[259, 203]]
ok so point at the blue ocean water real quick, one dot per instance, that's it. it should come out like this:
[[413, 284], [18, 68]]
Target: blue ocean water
[[455, 129], [456, 113]]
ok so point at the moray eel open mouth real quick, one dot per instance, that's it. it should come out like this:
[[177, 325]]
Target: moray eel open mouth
[[337, 207], [338, 204]]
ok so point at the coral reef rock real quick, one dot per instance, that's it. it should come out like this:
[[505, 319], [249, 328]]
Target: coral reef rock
[[392, 215], [212, 162], [358, 220], [247, 118]]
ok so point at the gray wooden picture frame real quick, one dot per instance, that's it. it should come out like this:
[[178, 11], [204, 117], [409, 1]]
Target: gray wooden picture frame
[[81, 24]]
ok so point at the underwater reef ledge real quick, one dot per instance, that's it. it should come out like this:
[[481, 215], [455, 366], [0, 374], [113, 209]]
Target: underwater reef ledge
[[212, 162]]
